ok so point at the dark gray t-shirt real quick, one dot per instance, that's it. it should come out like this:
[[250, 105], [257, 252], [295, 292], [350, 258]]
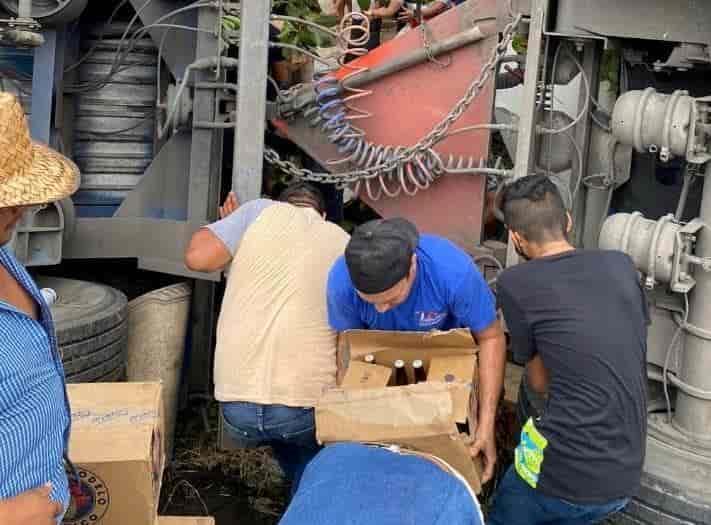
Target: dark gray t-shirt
[[586, 315]]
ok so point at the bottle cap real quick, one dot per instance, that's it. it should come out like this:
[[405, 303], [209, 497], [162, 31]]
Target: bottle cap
[[417, 363], [399, 363]]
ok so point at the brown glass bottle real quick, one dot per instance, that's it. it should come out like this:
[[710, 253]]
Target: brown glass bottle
[[419, 370], [400, 373]]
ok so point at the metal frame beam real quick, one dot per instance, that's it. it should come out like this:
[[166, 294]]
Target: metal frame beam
[[207, 144], [149, 240], [43, 75], [251, 100], [203, 195], [693, 407], [592, 52], [525, 147]]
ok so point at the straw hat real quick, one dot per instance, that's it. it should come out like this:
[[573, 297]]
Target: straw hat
[[30, 173]]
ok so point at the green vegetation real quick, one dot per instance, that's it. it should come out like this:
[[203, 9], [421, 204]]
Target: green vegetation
[[302, 35]]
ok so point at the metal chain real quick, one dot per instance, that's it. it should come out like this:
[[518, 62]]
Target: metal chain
[[425, 32], [288, 95], [424, 146]]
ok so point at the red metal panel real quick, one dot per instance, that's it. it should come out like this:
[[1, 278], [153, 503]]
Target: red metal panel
[[407, 105]]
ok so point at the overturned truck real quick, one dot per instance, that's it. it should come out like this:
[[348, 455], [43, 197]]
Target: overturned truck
[[163, 105]]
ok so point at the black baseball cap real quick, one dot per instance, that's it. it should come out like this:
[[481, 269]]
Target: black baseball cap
[[379, 254]]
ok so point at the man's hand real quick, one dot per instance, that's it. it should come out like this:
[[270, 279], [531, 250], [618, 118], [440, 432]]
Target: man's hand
[[485, 444], [492, 362], [230, 206], [30, 508], [339, 6], [406, 15]]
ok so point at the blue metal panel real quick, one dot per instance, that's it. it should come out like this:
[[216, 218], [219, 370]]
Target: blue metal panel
[[42, 87]]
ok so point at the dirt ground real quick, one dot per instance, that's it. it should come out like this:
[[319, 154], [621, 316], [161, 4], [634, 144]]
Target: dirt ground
[[245, 487], [237, 488]]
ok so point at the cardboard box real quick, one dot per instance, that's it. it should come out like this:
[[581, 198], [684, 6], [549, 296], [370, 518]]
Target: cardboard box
[[451, 369], [364, 375], [184, 520], [117, 446], [420, 417]]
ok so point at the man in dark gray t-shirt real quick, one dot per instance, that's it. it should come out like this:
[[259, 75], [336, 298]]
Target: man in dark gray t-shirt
[[578, 318]]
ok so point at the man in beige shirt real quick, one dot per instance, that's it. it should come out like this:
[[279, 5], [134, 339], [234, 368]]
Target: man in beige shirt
[[275, 351]]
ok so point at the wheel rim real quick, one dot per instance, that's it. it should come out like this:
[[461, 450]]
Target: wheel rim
[[54, 10]]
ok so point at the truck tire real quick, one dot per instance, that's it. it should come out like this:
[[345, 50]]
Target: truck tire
[[92, 329]]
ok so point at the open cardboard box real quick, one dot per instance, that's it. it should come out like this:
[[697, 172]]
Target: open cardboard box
[[117, 447], [421, 417]]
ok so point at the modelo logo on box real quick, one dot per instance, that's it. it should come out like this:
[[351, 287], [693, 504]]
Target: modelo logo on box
[[89, 498]]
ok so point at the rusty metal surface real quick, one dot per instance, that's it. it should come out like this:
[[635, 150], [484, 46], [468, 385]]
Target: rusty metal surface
[[406, 105]]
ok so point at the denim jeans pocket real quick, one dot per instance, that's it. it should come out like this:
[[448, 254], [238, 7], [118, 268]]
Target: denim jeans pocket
[[307, 435], [296, 425], [241, 437]]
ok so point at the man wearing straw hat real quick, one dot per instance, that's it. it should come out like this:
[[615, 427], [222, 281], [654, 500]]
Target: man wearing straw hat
[[34, 410]]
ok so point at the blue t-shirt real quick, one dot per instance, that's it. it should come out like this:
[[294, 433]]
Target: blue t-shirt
[[350, 483], [449, 292]]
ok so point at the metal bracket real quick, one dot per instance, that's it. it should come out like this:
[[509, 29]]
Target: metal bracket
[[681, 278], [37, 241], [665, 152], [699, 145], [21, 32]]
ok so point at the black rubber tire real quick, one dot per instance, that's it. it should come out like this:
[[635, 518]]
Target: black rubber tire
[[92, 331], [99, 373], [84, 310], [100, 355], [115, 376], [80, 349]]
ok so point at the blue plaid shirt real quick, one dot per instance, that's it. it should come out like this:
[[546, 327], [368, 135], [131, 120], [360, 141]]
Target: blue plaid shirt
[[34, 409]]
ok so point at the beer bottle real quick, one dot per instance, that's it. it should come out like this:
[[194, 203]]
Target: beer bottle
[[400, 373], [419, 370], [370, 359]]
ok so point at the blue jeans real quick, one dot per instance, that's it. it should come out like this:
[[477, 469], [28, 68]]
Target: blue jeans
[[354, 484], [290, 431], [516, 503]]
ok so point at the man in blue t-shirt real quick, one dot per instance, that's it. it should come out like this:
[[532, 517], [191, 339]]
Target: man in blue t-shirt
[[391, 278]]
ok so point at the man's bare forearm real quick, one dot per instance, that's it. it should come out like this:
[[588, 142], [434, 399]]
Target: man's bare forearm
[[492, 363], [433, 9], [390, 10]]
